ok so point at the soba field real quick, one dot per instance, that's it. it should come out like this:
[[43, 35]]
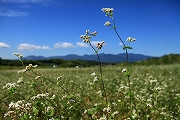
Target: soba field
[[75, 94]]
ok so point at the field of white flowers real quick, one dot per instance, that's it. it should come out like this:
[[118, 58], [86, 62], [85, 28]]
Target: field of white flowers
[[97, 93], [75, 93]]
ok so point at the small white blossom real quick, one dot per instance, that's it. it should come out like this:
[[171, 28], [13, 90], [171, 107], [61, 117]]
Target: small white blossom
[[94, 33], [107, 23], [99, 45], [53, 97], [20, 81], [131, 39], [108, 11], [93, 74], [58, 78], [20, 56], [115, 113], [37, 77], [124, 70], [96, 79]]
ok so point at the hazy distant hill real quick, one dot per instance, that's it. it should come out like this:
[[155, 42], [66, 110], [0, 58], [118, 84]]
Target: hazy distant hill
[[104, 57]]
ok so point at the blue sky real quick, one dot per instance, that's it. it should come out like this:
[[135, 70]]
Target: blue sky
[[53, 27]]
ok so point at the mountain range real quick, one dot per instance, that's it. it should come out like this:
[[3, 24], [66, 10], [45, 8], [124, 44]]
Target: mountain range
[[121, 57]]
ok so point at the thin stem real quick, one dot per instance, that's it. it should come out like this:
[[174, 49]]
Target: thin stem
[[127, 58], [100, 68]]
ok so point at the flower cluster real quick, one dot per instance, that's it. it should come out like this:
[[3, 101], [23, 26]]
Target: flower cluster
[[8, 86], [108, 109], [20, 105], [28, 68], [107, 23], [38, 96], [108, 11], [20, 56], [99, 45], [131, 39], [86, 38]]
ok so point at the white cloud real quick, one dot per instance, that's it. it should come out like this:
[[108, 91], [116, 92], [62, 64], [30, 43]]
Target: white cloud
[[4, 45], [63, 45], [12, 13], [121, 44], [81, 44], [26, 46]]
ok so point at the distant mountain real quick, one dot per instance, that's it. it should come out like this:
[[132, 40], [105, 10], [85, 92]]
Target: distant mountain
[[104, 57]]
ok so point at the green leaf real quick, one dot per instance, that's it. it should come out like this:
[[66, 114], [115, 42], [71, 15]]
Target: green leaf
[[127, 47]]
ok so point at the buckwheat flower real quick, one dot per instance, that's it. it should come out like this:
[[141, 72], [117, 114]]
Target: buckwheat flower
[[107, 23], [96, 79], [53, 97], [99, 45], [94, 33], [87, 39], [93, 74], [108, 11], [124, 70], [85, 111], [108, 109], [131, 39], [87, 32], [20, 56], [114, 104], [20, 81], [58, 78], [37, 77], [22, 71], [115, 113]]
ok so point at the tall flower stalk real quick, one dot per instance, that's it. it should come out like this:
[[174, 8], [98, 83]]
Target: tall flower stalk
[[109, 12], [87, 38]]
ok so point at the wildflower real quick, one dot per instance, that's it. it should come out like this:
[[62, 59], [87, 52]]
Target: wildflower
[[107, 23], [99, 45], [20, 81], [53, 97], [87, 32], [108, 11], [58, 78], [10, 85], [37, 77], [86, 38], [108, 109], [131, 39], [96, 79], [20, 56], [115, 113], [93, 74], [124, 70], [94, 33]]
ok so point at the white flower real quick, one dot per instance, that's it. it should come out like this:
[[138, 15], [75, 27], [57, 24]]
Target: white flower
[[108, 11], [99, 45], [131, 39], [107, 23], [124, 70], [20, 80], [115, 113], [20, 56], [94, 33], [93, 74], [96, 79], [58, 78]]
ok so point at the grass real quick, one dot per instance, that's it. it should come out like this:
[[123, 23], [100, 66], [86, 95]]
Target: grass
[[155, 92]]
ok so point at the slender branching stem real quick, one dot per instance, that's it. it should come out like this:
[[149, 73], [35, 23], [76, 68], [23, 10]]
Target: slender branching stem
[[100, 68]]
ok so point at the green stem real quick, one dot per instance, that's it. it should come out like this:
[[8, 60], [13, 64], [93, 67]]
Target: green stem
[[100, 68]]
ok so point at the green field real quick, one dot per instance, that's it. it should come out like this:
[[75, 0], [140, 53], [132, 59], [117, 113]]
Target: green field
[[154, 93]]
